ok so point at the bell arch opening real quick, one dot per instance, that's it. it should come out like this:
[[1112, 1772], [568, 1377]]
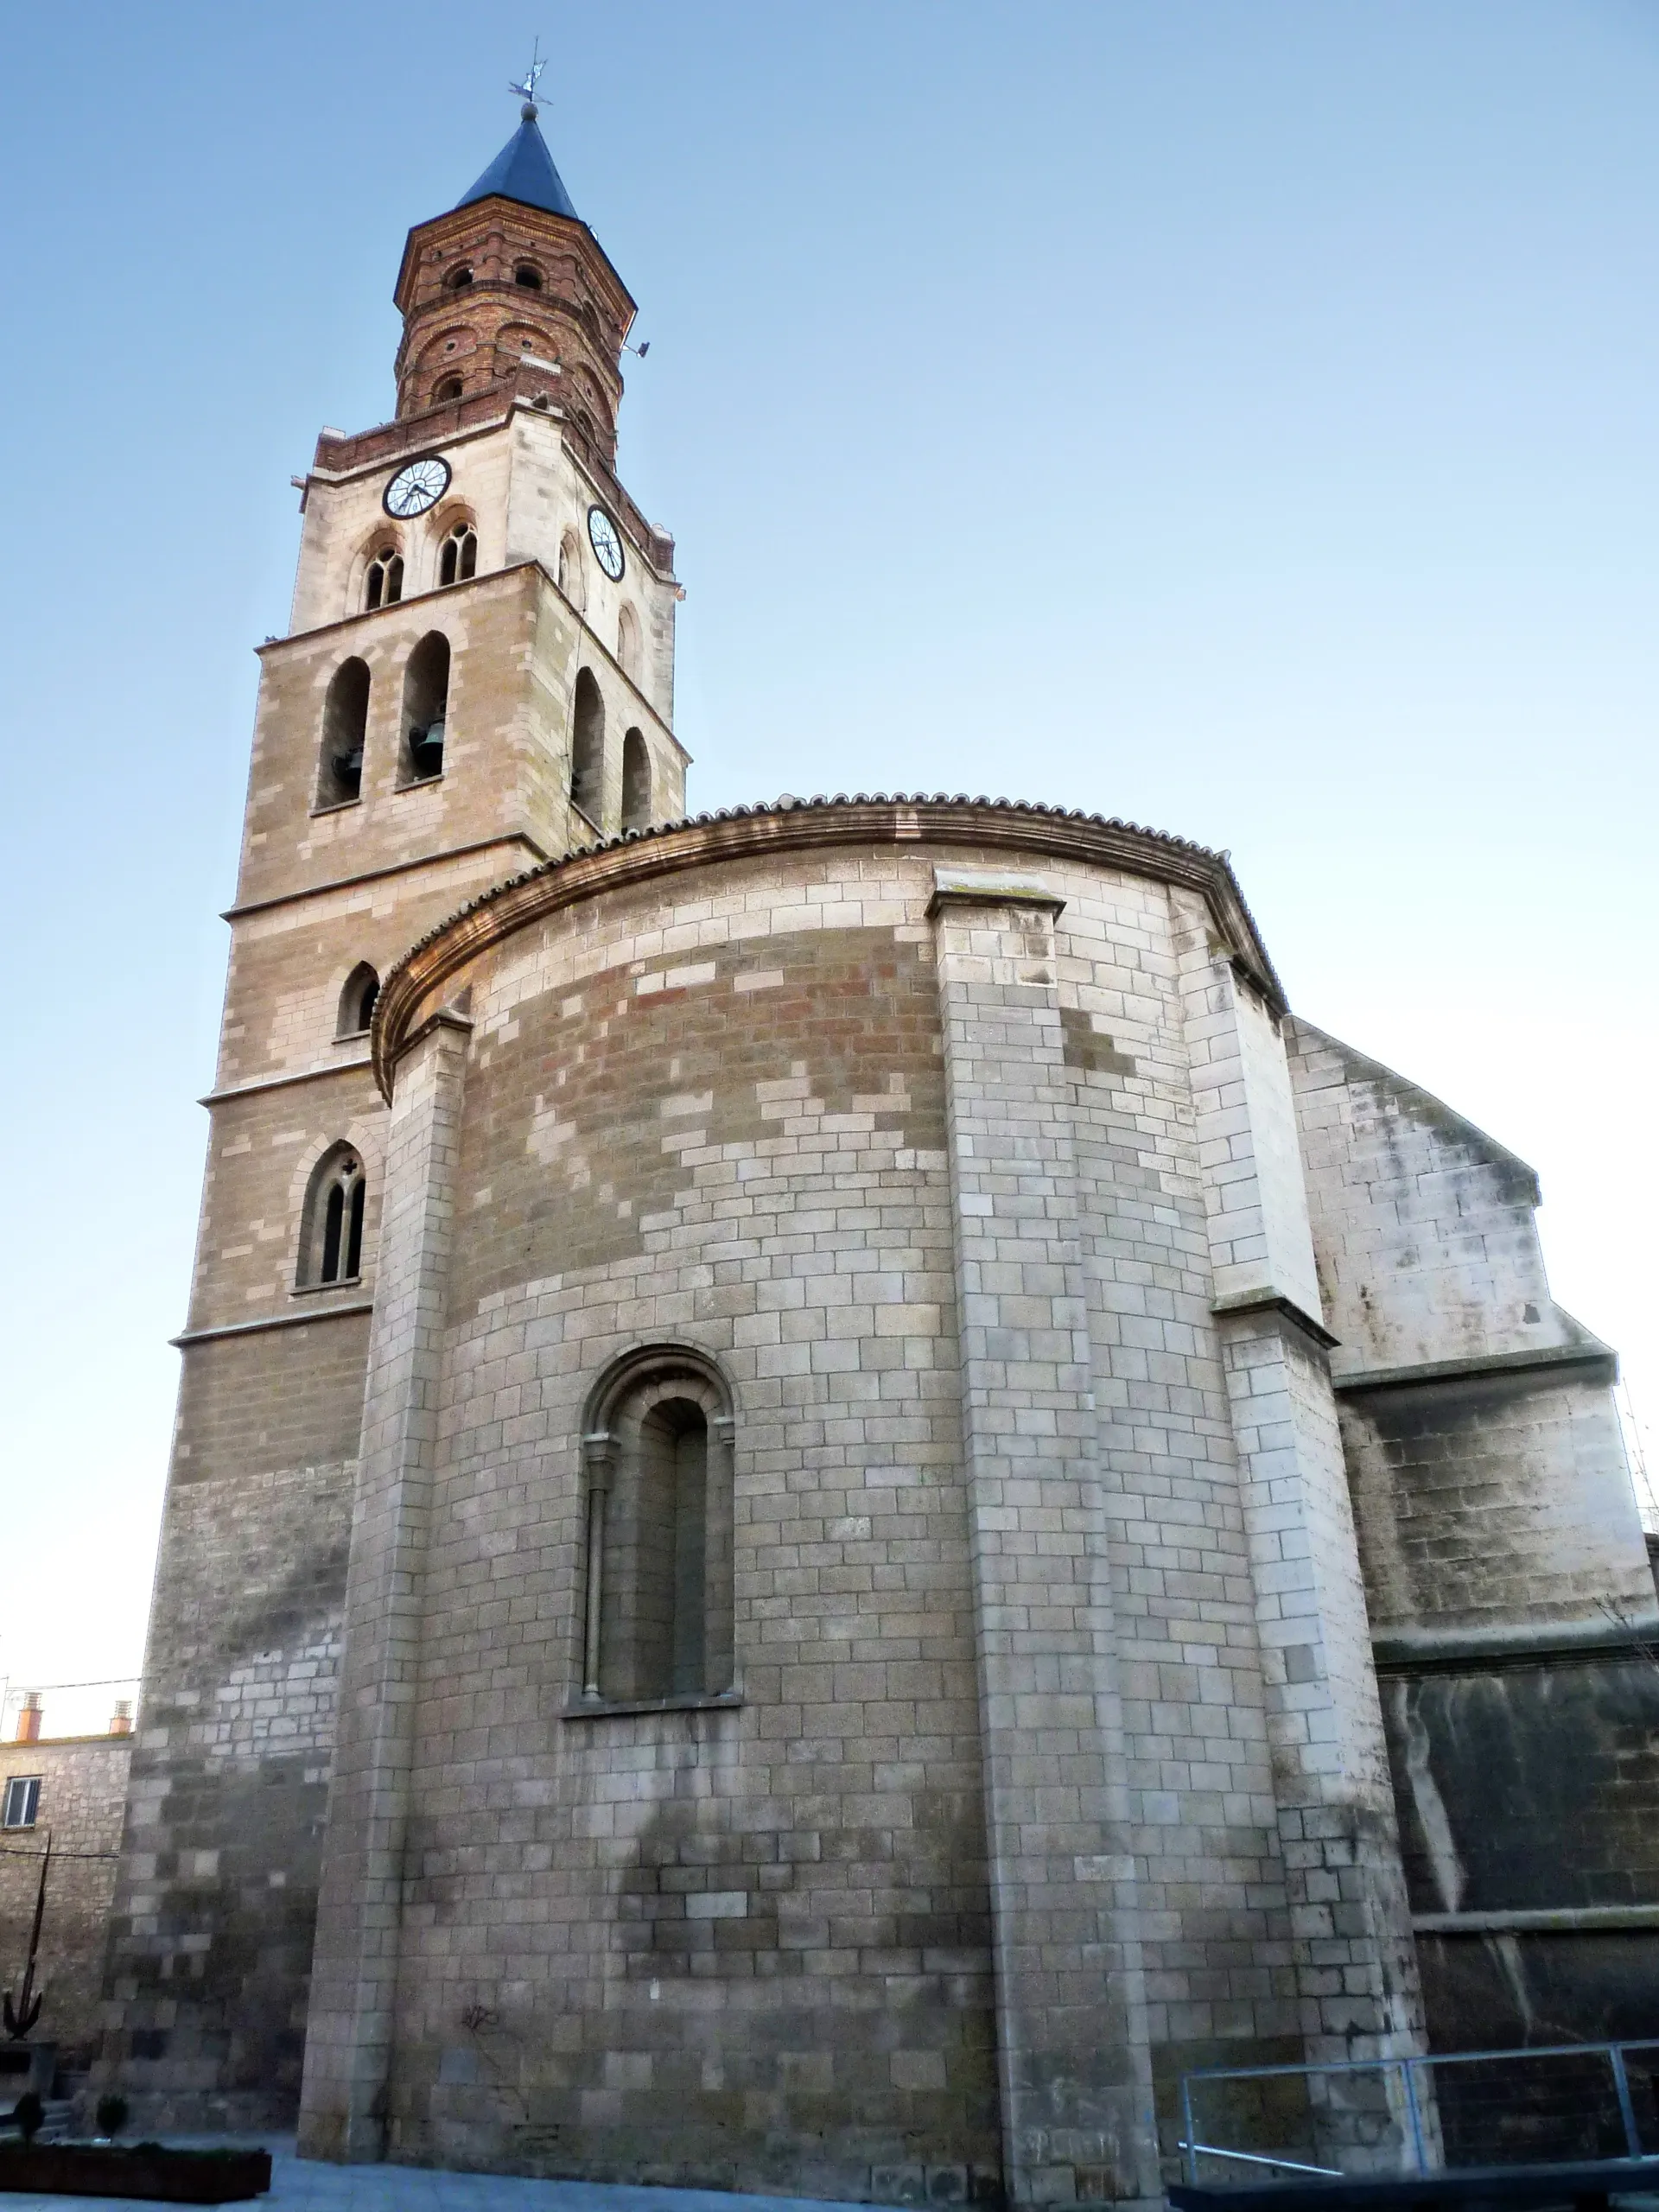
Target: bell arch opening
[[426, 709], [588, 747], [345, 730]]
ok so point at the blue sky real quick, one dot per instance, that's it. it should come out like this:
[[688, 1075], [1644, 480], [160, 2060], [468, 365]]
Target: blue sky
[[1240, 419]]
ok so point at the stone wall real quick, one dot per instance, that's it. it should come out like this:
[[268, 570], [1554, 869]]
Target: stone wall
[[920, 1169], [83, 1788], [1509, 1584]]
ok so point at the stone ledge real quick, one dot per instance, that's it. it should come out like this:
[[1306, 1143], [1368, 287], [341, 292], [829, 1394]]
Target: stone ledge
[[1246, 1305], [1593, 1356], [603, 1708], [1550, 1920], [277, 1321], [1545, 1643]]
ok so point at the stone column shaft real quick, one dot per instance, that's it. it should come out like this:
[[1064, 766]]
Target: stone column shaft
[[1355, 1955], [1075, 2080]]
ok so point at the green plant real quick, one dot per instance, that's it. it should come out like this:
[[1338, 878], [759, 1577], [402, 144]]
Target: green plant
[[28, 2112], [112, 2114]]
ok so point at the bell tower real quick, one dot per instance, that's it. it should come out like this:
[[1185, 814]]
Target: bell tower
[[511, 289], [477, 676]]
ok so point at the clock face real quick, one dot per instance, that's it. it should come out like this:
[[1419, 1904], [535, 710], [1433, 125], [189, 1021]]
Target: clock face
[[605, 540], [417, 485]]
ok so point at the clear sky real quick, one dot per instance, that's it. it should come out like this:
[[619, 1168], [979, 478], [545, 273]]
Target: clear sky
[[1238, 418]]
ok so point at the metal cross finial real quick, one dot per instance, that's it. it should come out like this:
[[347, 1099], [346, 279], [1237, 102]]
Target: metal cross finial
[[526, 91]]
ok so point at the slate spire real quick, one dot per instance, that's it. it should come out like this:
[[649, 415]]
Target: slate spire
[[524, 171]]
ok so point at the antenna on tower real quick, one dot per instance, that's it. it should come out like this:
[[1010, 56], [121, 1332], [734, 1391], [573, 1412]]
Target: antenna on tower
[[526, 91]]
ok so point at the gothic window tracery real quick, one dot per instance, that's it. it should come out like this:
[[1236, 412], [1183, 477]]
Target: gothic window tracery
[[458, 559], [383, 583], [331, 1245]]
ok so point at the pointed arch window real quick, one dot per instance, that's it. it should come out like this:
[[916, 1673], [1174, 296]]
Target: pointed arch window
[[331, 1232], [636, 780], [458, 560], [383, 585], [657, 1451], [345, 729], [588, 747], [357, 1000], [572, 577], [426, 708]]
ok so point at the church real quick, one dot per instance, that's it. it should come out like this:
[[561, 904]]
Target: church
[[838, 1501]]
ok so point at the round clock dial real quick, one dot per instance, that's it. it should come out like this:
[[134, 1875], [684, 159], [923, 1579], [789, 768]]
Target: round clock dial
[[417, 485], [607, 542]]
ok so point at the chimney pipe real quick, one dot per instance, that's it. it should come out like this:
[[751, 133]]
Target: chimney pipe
[[121, 1724], [28, 1718]]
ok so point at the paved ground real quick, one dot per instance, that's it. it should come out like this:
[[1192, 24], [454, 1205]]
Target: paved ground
[[304, 2186]]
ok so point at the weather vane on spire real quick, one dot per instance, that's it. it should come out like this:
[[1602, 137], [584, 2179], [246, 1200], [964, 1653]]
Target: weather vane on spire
[[532, 78]]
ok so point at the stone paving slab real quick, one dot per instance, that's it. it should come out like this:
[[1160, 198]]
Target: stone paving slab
[[308, 2185]]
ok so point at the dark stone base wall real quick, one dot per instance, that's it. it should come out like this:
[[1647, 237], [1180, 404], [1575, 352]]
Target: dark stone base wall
[[208, 1967], [1529, 1787], [1534, 1788]]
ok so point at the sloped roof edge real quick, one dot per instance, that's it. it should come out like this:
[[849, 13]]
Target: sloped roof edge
[[787, 825]]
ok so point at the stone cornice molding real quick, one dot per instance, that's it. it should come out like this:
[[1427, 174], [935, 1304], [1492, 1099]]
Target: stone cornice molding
[[1034, 832], [375, 874], [1594, 1357]]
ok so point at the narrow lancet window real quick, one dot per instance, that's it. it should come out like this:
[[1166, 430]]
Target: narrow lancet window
[[357, 1000]]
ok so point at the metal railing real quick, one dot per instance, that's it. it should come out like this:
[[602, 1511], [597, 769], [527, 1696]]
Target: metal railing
[[1407, 2069]]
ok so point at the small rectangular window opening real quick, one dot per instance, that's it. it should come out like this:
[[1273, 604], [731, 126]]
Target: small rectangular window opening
[[21, 1802]]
